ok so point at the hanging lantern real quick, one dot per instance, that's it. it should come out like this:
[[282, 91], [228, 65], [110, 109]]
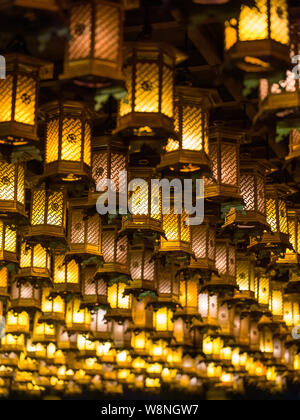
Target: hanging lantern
[[188, 299], [12, 188], [84, 236], [163, 321], [291, 310], [17, 323], [53, 307], [66, 341], [276, 300], [225, 264], [149, 75], [66, 275], [190, 152], [94, 51], [203, 238], [115, 253], [48, 218], [292, 256], [94, 292], [142, 314], [266, 337], [224, 153], [168, 282], [144, 203], [208, 309], [142, 268], [119, 302], [8, 244], [68, 142], [259, 40], [13, 342], [25, 295], [19, 98], [101, 329], [245, 267], [77, 320], [121, 336], [262, 288], [34, 264], [252, 183]]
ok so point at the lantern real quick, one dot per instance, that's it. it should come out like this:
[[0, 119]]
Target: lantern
[[252, 182], [17, 323], [12, 189], [190, 152], [225, 264], [276, 300], [19, 98], [115, 253], [25, 295], [48, 217], [259, 39], [84, 237], [203, 238], [168, 282], [121, 336], [94, 51], [291, 310], [144, 202], [77, 320], [142, 314], [266, 337], [34, 264], [163, 321], [53, 307], [4, 279], [262, 288], [149, 75], [66, 341], [224, 153], [101, 328], [94, 292], [292, 256], [66, 276], [208, 309], [13, 342], [142, 268], [245, 267], [8, 243], [86, 347], [119, 302], [188, 296], [68, 141]]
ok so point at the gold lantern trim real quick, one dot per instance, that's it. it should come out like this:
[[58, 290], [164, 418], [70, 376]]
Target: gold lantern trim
[[19, 98], [190, 152], [224, 154], [68, 142], [259, 39], [12, 189], [149, 75], [35, 264], [94, 51]]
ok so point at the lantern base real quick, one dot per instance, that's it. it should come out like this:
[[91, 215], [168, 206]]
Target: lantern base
[[145, 124], [289, 259], [277, 103], [65, 172], [28, 304], [85, 252], [222, 193], [49, 237], [141, 224], [52, 318], [37, 275], [13, 210], [112, 270], [175, 247], [247, 220], [7, 258], [184, 163], [17, 134], [271, 240], [66, 288]]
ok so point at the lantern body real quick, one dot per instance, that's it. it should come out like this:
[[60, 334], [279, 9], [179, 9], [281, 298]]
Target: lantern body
[[291, 310], [188, 296], [276, 300], [177, 233], [19, 98], [168, 282], [294, 144], [17, 323], [292, 256], [84, 233], [13, 342], [34, 263], [208, 308], [225, 263], [77, 320], [120, 304], [94, 292], [121, 340], [68, 141], [262, 288], [94, 51], [4, 280], [149, 75], [142, 267], [43, 332], [8, 243], [12, 188], [53, 308], [224, 153], [259, 39], [66, 276], [203, 239], [163, 320], [66, 342], [190, 152], [100, 327], [142, 314], [25, 295]]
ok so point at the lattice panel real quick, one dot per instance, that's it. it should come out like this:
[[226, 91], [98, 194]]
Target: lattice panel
[[59, 269], [148, 267], [10, 241], [126, 103], [93, 230], [7, 181], [277, 302], [26, 291], [73, 272], [172, 145], [192, 128], [242, 274], [212, 244], [263, 291], [170, 226], [229, 164], [6, 86], [292, 235], [261, 197], [112, 296], [122, 250], [283, 227], [55, 209], [295, 139], [98, 322], [280, 21], [185, 228], [167, 92], [52, 141], [253, 23], [199, 241], [87, 152], [107, 32], [118, 164], [147, 88], [1, 235], [136, 266], [3, 277], [231, 261], [139, 200], [123, 301], [221, 259], [99, 167], [89, 284], [271, 214], [247, 191], [108, 246], [192, 295], [164, 281], [213, 155], [156, 204], [77, 227], [203, 304], [101, 288], [25, 100], [21, 185], [81, 32], [71, 140], [25, 258], [38, 207], [39, 257]]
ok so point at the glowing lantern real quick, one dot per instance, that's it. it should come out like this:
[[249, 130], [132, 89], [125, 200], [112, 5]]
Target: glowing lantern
[[260, 38], [94, 51], [8, 243], [188, 298], [168, 282], [262, 288], [142, 315], [190, 152], [18, 98], [77, 320], [25, 295], [120, 304], [291, 310], [266, 337], [245, 272], [12, 188], [149, 75], [4, 279], [203, 239], [225, 264], [68, 141], [142, 268], [48, 216], [163, 320], [224, 153], [34, 264], [65, 340], [121, 336], [17, 323], [292, 256], [94, 292], [53, 307], [276, 300], [212, 346], [86, 347], [140, 342], [208, 308], [101, 328], [13, 342], [66, 276]]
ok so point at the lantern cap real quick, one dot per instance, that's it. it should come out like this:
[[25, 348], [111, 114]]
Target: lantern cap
[[280, 190], [44, 67], [74, 108], [132, 47], [262, 165], [204, 97], [219, 129], [108, 142]]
